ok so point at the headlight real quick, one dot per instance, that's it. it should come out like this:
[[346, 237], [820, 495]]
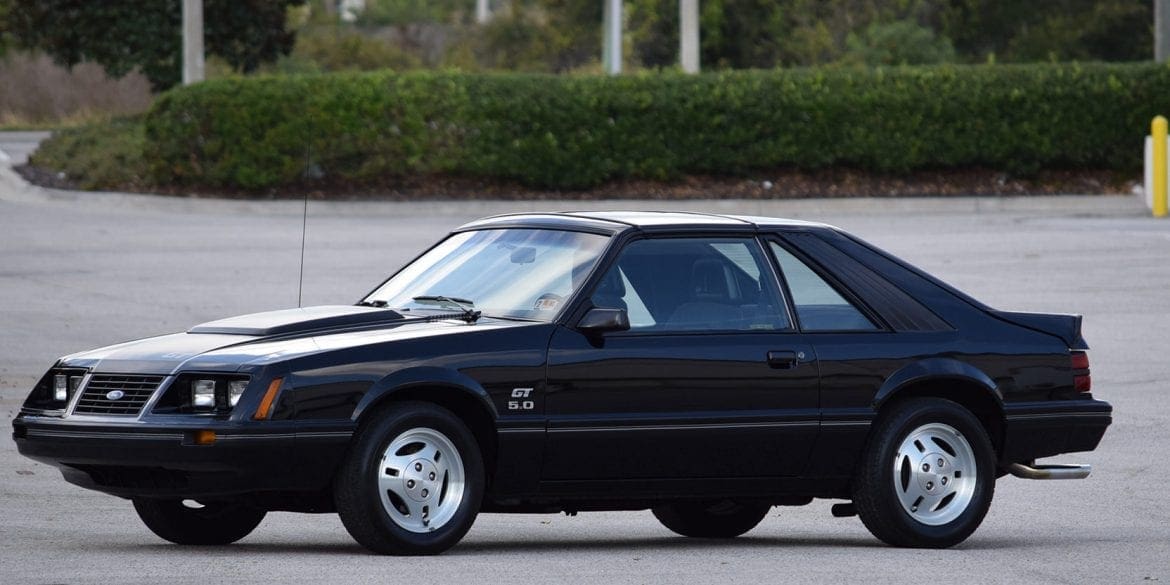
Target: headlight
[[236, 390], [203, 393], [65, 385], [56, 388], [60, 387]]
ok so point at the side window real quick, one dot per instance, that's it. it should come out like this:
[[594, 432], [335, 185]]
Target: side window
[[819, 307], [694, 284]]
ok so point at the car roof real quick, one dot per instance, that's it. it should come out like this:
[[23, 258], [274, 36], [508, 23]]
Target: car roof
[[617, 221]]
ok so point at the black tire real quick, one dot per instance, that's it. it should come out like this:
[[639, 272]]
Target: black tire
[[879, 491], [719, 519], [215, 523], [357, 493]]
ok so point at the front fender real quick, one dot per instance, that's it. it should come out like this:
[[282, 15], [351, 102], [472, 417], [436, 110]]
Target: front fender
[[935, 369], [423, 376]]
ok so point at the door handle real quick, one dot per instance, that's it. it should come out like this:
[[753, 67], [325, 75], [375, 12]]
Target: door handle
[[784, 359]]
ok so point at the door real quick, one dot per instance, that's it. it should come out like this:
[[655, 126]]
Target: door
[[711, 381]]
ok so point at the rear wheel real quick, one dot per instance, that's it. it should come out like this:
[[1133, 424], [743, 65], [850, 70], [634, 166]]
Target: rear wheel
[[189, 522], [720, 519], [928, 476], [412, 483]]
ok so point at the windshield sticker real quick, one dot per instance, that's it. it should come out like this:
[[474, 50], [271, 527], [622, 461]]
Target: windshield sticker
[[547, 304]]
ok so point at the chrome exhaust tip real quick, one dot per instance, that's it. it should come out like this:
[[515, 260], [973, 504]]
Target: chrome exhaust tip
[[1053, 471]]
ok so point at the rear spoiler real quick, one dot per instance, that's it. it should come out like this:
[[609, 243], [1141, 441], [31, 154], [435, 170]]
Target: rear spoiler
[[1066, 327]]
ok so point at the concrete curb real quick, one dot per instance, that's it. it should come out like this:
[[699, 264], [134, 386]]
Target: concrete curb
[[24, 135]]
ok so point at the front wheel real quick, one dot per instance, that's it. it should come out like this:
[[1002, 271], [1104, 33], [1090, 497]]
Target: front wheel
[[187, 522], [721, 519], [413, 481], [928, 475]]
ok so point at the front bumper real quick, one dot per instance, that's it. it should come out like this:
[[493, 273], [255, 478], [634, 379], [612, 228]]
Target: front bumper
[[132, 458], [1033, 430]]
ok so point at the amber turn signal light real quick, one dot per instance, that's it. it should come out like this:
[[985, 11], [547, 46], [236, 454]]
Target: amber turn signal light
[[265, 409], [203, 437]]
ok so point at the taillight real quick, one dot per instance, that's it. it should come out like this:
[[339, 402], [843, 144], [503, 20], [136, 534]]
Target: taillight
[[1082, 381]]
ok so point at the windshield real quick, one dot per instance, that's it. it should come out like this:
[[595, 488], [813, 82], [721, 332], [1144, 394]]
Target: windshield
[[519, 273]]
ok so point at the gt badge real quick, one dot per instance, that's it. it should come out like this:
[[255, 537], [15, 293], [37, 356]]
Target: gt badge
[[525, 404]]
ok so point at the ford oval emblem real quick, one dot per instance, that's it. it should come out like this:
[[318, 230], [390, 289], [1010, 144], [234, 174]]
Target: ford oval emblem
[[115, 395]]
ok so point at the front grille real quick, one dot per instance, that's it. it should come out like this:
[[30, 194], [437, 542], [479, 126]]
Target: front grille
[[136, 390]]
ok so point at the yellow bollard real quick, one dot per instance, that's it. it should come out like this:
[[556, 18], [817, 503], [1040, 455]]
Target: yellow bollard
[[1158, 134]]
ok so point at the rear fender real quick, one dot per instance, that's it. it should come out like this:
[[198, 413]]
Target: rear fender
[[935, 369]]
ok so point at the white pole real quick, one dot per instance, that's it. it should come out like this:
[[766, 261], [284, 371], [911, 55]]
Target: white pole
[[1161, 30], [688, 35], [192, 41], [483, 12], [612, 52]]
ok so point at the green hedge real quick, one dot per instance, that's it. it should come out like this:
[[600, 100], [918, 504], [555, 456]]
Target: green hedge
[[578, 131], [99, 155]]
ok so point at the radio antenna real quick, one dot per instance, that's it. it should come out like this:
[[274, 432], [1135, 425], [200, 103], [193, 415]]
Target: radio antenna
[[304, 226]]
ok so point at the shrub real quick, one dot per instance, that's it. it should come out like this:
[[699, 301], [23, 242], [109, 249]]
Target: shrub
[[337, 49], [34, 91], [263, 132], [578, 131], [98, 155], [902, 42]]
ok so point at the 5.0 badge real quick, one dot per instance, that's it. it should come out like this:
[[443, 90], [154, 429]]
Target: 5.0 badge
[[525, 404]]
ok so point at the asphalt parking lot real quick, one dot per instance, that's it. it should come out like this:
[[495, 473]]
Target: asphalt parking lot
[[82, 270]]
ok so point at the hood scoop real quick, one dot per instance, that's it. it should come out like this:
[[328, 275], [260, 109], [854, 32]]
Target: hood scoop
[[302, 320]]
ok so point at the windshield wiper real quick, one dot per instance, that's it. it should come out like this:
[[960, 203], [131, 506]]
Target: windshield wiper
[[380, 304], [467, 306]]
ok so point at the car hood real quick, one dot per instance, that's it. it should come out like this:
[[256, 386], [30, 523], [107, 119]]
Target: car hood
[[234, 343], [293, 321]]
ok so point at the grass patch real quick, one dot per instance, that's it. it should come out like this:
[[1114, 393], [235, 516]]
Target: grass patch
[[96, 156], [12, 121]]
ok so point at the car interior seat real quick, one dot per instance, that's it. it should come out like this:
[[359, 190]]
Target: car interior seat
[[715, 298]]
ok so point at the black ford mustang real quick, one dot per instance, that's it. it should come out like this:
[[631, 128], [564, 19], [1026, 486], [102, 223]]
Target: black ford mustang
[[706, 367]]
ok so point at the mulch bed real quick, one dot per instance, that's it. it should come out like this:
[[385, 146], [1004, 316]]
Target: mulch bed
[[777, 184]]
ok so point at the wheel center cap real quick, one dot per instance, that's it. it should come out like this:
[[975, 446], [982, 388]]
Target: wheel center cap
[[933, 472], [421, 480]]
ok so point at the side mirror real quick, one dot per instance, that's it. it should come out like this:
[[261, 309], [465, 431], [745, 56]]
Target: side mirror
[[602, 319]]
